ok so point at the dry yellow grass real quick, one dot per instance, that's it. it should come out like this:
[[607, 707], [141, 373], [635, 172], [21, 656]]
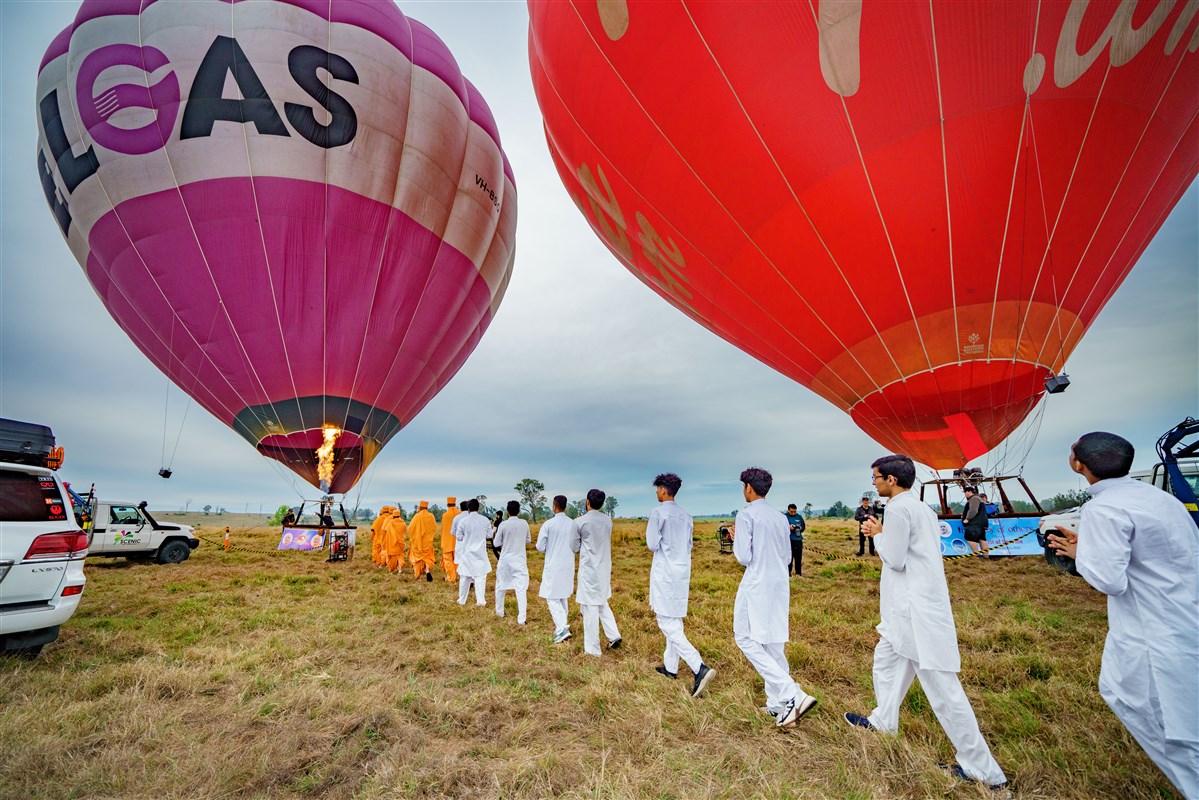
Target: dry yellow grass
[[253, 675]]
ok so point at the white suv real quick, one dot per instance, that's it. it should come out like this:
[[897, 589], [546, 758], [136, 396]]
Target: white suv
[[41, 558]]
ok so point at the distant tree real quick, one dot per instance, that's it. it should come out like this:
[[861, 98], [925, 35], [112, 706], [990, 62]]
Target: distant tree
[[365, 514], [1023, 507], [187, 503], [279, 512], [484, 509], [610, 506], [576, 508], [531, 495], [1070, 499], [838, 510], [220, 511], [436, 511], [207, 509], [807, 509]]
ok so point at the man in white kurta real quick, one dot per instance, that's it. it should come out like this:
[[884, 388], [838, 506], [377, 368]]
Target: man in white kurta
[[470, 553], [762, 542], [1138, 545], [917, 635], [559, 540], [594, 531], [668, 536], [512, 569]]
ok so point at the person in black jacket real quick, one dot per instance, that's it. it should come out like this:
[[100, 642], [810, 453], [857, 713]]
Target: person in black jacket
[[974, 521], [861, 514]]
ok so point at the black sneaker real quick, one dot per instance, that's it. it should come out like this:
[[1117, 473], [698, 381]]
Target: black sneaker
[[702, 679], [662, 670], [615, 644]]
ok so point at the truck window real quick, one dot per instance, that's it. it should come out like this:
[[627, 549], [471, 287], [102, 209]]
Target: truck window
[[30, 498], [125, 515]]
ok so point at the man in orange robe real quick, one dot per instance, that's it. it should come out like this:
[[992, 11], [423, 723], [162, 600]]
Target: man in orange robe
[[377, 535], [395, 534], [447, 539], [421, 530]]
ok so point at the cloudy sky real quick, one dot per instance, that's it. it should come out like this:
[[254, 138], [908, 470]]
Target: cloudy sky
[[627, 389]]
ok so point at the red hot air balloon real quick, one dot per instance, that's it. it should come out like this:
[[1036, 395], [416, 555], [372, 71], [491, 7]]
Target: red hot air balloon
[[298, 210], [915, 209]]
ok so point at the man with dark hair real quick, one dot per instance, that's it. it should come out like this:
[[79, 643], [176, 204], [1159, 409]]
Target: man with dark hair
[[470, 553], [558, 539], [512, 569], [668, 535], [797, 526], [1137, 544], [974, 521], [593, 530], [862, 513], [917, 637], [760, 613]]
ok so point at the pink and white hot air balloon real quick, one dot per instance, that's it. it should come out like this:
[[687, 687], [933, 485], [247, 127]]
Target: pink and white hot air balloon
[[298, 210]]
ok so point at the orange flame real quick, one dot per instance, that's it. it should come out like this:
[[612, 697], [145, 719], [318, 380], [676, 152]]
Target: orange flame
[[324, 455]]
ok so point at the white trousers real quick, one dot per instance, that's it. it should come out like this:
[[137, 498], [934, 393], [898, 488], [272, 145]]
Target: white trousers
[[770, 660], [893, 676], [1177, 759], [522, 603], [677, 645], [464, 582], [558, 612], [593, 617]]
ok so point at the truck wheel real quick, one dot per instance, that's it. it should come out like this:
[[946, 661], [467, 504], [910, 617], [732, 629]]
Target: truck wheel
[[173, 552]]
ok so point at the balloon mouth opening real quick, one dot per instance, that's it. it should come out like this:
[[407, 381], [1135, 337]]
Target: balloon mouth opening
[[954, 414]]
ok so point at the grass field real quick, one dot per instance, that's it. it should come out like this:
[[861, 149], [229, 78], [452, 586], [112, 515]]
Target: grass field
[[260, 675]]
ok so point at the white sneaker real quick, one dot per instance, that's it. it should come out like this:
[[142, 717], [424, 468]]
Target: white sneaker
[[794, 710], [561, 636]]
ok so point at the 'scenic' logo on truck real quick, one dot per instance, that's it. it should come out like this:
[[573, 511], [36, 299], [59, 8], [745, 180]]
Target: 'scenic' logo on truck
[[125, 537]]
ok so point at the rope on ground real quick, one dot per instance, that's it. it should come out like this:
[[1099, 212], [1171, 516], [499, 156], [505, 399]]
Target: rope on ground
[[220, 545]]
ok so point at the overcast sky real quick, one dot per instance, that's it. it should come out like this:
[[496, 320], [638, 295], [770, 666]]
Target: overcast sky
[[628, 389]]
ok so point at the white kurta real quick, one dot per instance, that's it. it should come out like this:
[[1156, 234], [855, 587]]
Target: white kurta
[[916, 617], [512, 570], [763, 544], [559, 541], [470, 554], [1138, 545], [594, 534], [668, 534]]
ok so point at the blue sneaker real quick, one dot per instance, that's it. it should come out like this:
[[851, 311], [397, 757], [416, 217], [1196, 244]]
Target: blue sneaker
[[955, 771], [858, 721]]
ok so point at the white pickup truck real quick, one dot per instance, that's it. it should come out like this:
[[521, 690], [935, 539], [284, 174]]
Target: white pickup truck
[[129, 530]]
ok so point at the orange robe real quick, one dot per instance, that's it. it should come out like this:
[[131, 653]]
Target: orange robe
[[377, 535], [420, 533], [447, 545], [395, 534]]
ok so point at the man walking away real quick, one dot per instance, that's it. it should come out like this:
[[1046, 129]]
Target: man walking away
[[862, 513], [378, 554], [558, 539], [594, 533], [471, 553], [917, 637], [761, 542], [420, 532], [974, 522], [512, 570], [797, 526], [1137, 544], [668, 535], [395, 537]]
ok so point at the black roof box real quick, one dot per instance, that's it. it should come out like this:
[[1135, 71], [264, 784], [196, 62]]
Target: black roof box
[[25, 442]]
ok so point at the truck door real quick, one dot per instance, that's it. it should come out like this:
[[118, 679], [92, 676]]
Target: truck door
[[125, 530]]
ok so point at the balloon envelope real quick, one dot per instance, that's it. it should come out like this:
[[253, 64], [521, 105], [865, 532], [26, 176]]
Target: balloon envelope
[[298, 210], [915, 209]]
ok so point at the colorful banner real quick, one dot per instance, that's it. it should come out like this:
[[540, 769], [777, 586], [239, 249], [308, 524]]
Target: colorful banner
[[301, 539], [1000, 532]]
